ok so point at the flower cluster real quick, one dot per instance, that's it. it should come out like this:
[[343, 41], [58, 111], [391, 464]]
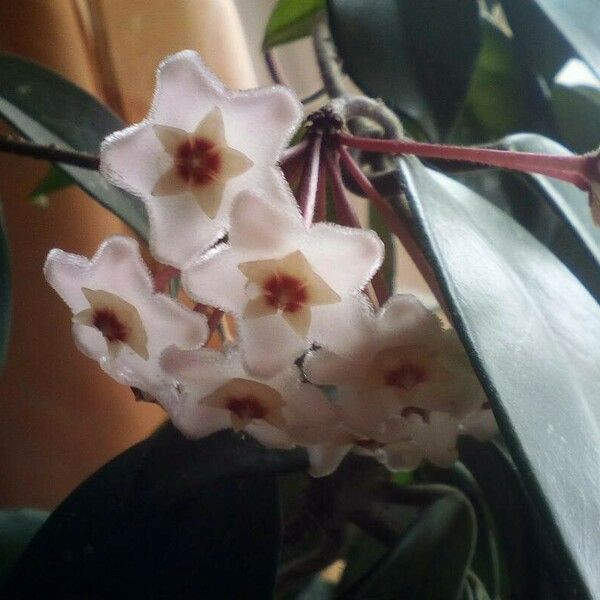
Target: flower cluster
[[314, 361]]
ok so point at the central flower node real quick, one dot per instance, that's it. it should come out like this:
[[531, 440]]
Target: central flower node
[[197, 161], [406, 376], [284, 292], [288, 285], [246, 408], [248, 400], [117, 320], [109, 325]]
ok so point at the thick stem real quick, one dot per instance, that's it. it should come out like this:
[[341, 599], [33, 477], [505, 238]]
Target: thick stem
[[346, 216], [51, 153], [307, 194], [573, 169], [397, 225], [321, 203], [327, 58]]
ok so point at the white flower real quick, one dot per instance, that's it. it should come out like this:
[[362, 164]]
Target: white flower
[[118, 319], [199, 146], [217, 392], [288, 285], [405, 360], [481, 424]]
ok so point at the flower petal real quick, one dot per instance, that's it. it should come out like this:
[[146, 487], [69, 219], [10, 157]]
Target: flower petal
[[326, 458]]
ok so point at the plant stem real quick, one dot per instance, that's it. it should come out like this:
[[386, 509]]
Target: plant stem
[[574, 169], [397, 225], [321, 202], [163, 277], [346, 216], [307, 194], [51, 153], [327, 58]]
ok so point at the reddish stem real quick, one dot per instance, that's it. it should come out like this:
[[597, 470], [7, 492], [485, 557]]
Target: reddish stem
[[395, 222], [163, 276], [214, 319], [573, 169], [346, 216], [307, 194], [294, 152], [321, 202]]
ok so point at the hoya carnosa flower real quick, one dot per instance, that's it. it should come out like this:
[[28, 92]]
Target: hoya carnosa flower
[[406, 360], [217, 392], [118, 320], [199, 146], [288, 285]]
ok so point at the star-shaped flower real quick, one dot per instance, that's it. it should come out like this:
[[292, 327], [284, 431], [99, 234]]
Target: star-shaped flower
[[118, 319], [217, 392], [199, 146], [406, 360], [289, 285]]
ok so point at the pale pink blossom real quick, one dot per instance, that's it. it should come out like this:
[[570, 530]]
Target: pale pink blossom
[[198, 147]]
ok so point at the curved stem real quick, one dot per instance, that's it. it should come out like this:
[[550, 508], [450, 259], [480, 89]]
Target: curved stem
[[68, 157], [327, 58], [321, 202]]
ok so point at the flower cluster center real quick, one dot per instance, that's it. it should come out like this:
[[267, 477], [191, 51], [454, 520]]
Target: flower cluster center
[[246, 408], [197, 161], [109, 325], [285, 292], [406, 376]]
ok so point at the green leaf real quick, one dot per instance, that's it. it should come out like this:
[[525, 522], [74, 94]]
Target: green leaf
[[17, 527], [576, 105], [552, 31], [291, 20], [168, 518], [48, 109], [417, 56], [531, 330], [503, 97], [574, 238], [54, 181], [5, 291], [431, 560]]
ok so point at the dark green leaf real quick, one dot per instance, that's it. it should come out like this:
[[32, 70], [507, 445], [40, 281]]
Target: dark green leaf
[[552, 31], [574, 238], [577, 110], [54, 181], [291, 20], [5, 290], [531, 329], [499, 480], [169, 518], [17, 527], [431, 560], [503, 97], [417, 56], [51, 110]]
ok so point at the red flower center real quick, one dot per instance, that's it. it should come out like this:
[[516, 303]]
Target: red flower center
[[107, 322], [285, 292], [406, 376], [369, 444], [197, 161], [246, 408]]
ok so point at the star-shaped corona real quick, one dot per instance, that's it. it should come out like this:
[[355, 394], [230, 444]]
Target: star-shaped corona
[[288, 285], [200, 145], [118, 319]]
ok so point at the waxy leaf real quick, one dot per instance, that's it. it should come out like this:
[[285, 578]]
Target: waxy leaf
[[168, 518], [291, 20], [431, 559], [532, 332], [417, 56], [48, 109]]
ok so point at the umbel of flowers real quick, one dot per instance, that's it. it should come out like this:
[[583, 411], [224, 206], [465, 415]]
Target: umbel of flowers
[[308, 307]]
